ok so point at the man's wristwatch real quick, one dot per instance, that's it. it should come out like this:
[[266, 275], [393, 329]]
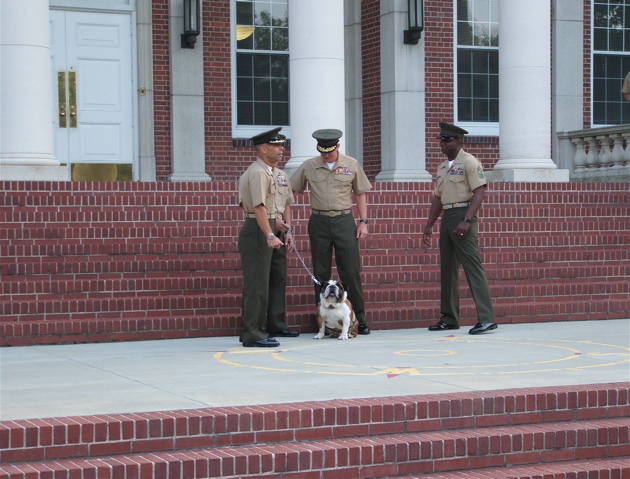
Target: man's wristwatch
[[289, 230], [271, 236], [466, 220], [364, 221]]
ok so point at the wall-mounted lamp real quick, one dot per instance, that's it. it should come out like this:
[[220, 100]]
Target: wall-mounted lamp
[[415, 21], [192, 23]]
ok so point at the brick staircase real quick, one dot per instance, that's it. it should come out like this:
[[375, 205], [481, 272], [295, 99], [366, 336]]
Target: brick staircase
[[553, 432], [88, 262]]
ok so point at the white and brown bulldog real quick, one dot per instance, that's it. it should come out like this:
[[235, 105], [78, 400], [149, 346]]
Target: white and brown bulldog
[[334, 313]]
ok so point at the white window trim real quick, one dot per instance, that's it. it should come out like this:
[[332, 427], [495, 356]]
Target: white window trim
[[473, 128], [246, 131]]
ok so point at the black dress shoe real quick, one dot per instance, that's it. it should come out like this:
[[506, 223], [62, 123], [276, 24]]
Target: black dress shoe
[[442, 326], [364, 329], [263, 343], [285, 333], [482, 328]]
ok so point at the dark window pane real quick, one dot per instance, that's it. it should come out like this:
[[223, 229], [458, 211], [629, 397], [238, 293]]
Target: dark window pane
[[464, 109], [279, 90], [244, 13], [262, 114], [600, 16], [480, 110], [262, 65], [245, 113], [480, 86], [600, 39], [464, 61], [464, 33], [616, 40], [493, 110], [493, 87], [280, 114], [480, 62], [464, 86], [262, 92], [462, 10], [279, 66], [599, 92], [243, 65], [245, 90]]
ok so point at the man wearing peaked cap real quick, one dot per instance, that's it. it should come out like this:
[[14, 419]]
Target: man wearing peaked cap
[[327, 140], [273, 137], [450, 132], [333, 178], [459, 192], [266, 197]]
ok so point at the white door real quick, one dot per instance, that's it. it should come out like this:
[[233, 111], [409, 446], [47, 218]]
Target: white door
[[93, 87]]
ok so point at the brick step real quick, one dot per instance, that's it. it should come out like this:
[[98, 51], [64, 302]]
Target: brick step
[[136, 325], [93, 436], [121, 304], [364, 456], [382, 283], [617, 468]]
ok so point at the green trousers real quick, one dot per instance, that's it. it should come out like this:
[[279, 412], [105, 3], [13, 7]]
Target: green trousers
[[465, 252], [338, 233], [264, 283]]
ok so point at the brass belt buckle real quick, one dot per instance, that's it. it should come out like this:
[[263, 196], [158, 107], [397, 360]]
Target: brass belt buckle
[[332, 214]]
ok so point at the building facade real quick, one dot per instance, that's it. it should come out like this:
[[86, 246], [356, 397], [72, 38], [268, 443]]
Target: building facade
[[107, 90]]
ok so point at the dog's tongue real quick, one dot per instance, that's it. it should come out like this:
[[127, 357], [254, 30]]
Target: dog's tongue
[[330, 294]]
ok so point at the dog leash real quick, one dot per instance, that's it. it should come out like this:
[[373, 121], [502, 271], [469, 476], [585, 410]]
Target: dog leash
[[304, 264]]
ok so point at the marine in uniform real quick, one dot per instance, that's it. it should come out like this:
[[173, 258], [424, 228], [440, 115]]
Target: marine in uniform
[[458, 195], [266, 197], [332, 178]]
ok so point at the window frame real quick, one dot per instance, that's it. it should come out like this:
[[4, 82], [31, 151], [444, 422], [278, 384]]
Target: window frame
[[247, 131], [604, 53], [474, 128]]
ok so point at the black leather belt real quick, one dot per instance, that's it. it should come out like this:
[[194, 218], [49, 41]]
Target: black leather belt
[[332, 213]]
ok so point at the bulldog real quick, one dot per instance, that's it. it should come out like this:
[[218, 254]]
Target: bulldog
[[334, 313]]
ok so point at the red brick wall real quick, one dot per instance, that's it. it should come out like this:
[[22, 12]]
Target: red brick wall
[[125, 261], [162, 88], [371, 59]]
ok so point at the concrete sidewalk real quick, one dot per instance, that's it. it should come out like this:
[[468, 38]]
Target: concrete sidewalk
[[85, 379]]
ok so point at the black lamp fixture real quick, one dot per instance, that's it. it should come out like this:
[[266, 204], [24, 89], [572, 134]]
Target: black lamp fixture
[[192, 23], [415, 21]]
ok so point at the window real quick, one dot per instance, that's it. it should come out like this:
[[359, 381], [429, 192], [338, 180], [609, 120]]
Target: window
[[262, 63], [478, 63], [611, 61]]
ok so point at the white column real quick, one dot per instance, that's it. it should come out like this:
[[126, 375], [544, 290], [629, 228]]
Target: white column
[[317, 87], [353, 134], [402, 99], [187, 102], [26, 127], [525, 93], [568, 90]]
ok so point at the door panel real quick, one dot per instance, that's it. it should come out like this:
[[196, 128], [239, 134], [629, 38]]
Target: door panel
[[95, 49]]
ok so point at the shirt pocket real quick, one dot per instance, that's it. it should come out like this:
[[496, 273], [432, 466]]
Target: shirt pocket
[[344, 178]]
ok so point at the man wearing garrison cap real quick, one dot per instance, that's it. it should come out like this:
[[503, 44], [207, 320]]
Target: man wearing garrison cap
[[266, 197], [333, 178], [461, 186]]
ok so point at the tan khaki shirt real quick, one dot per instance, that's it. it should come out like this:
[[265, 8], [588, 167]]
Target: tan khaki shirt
[[331, 189], [457, 183], [259, 186]]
